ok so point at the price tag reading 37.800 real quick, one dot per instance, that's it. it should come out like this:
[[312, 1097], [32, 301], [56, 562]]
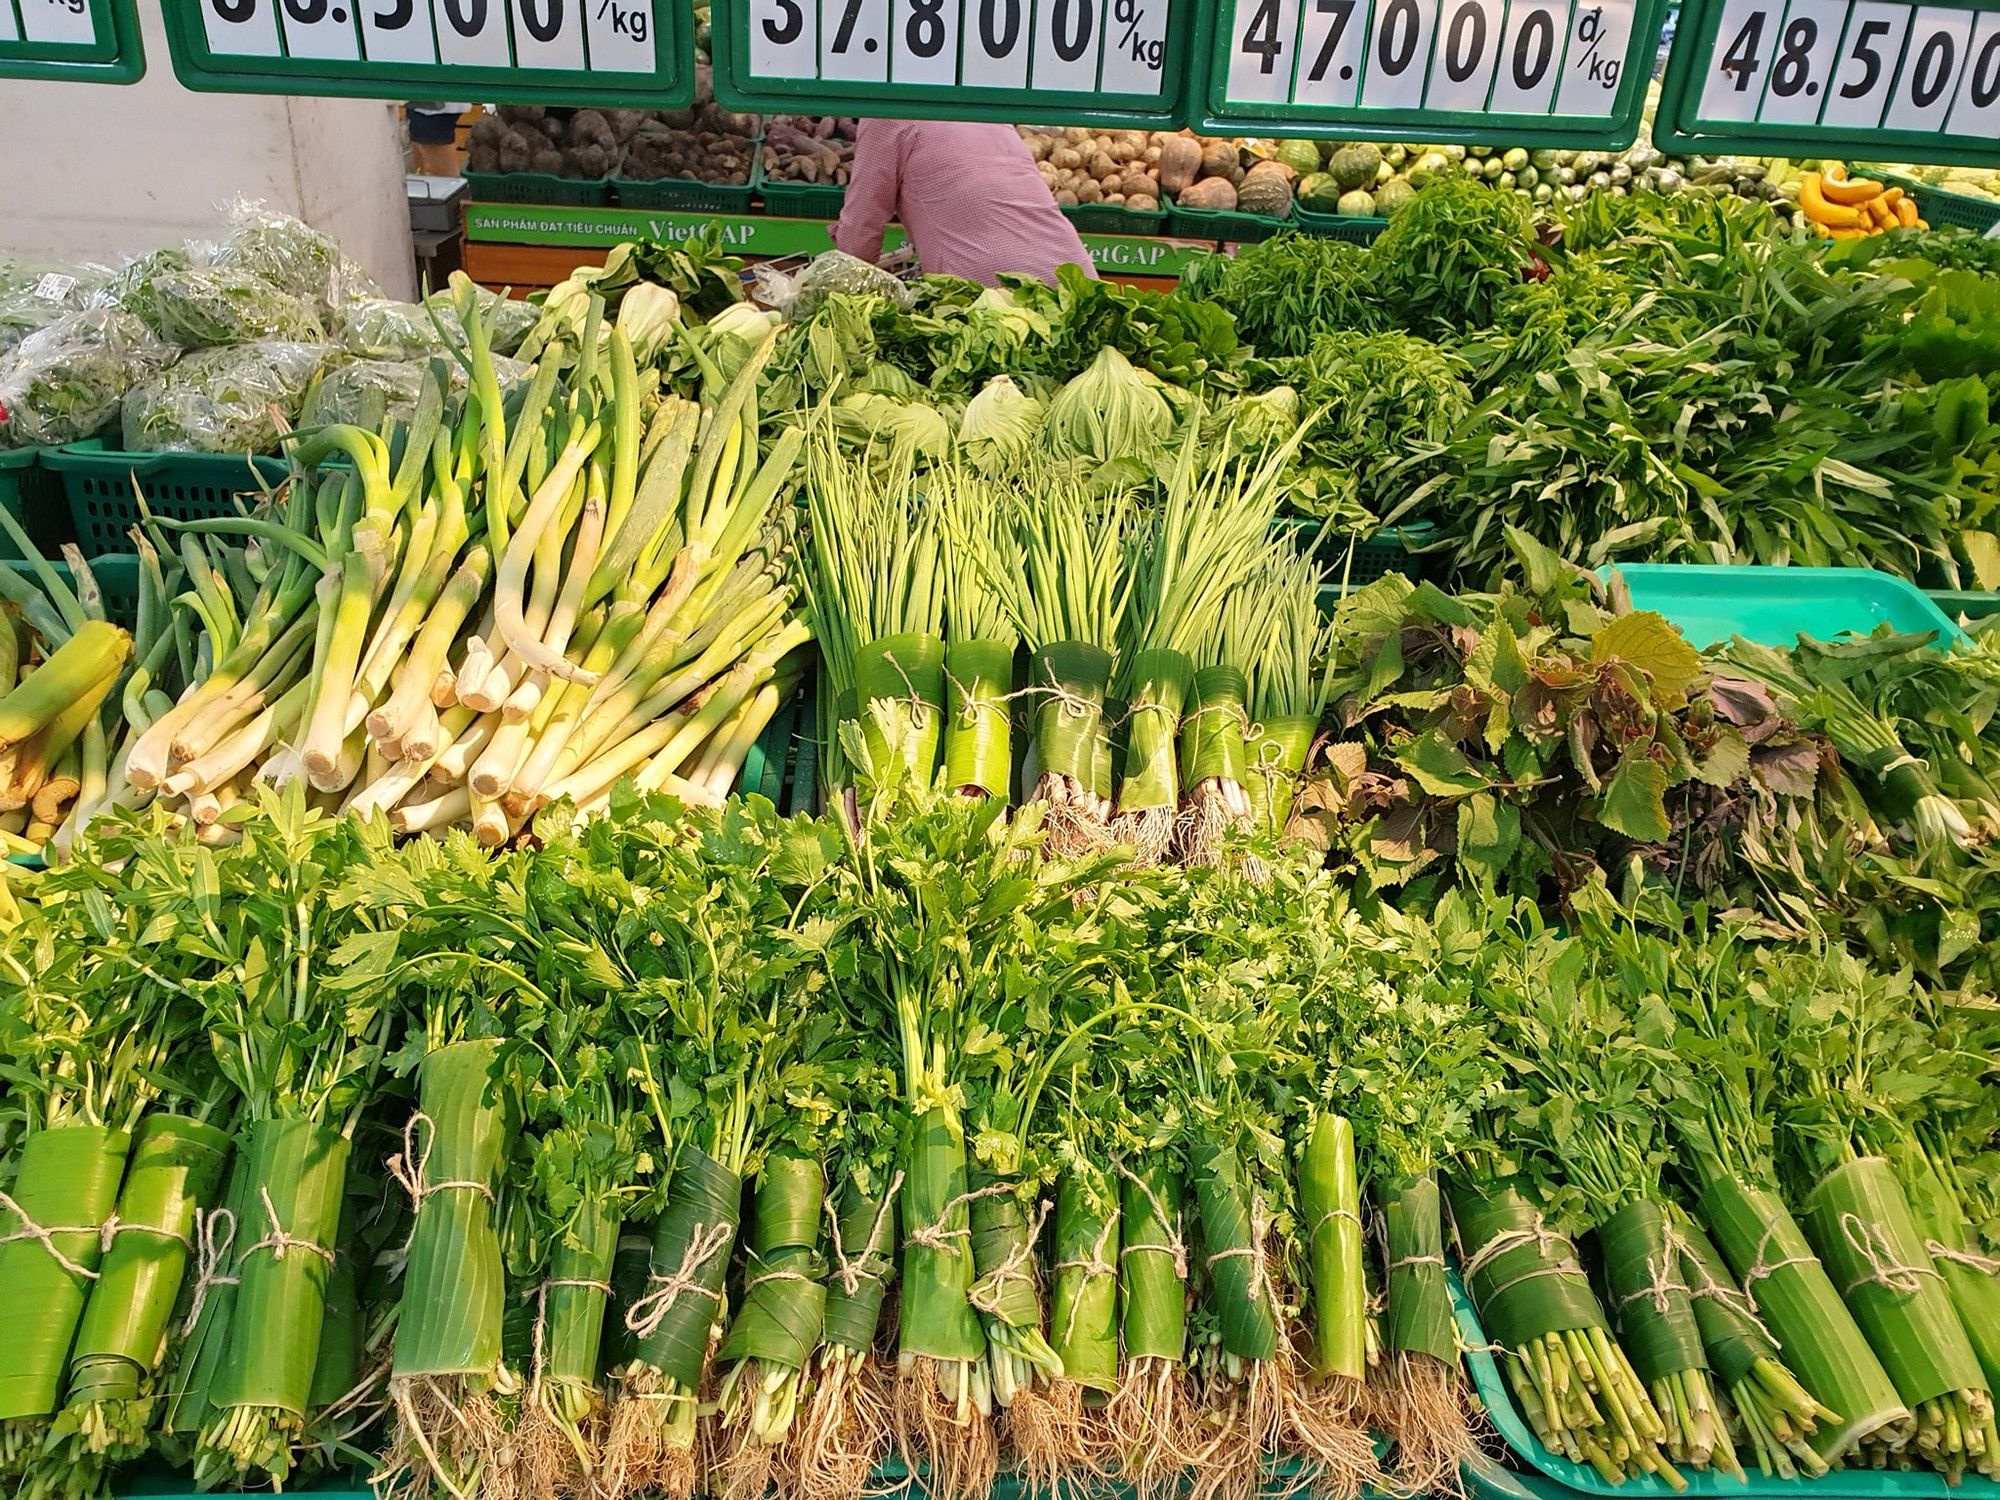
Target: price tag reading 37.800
[[1404, 63], [951, 58], [1856, 67], [574, 51]]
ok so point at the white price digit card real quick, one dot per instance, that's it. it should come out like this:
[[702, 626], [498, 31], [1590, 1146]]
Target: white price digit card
[[1119, 64], [628, 53], [1498, 72], [87, 41], [1865, 80]]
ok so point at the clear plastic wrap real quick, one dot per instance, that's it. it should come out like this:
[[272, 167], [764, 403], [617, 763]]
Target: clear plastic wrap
[[291, 255], [32, 298], [66, 381], [514, 317], [378, 329], [200, 304], [368, 391], [837, 271], [237, 399]]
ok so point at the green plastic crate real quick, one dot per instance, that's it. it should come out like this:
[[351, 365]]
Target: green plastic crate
[[1222, 224], [1964, 604], [538, 187], [1354, 561], [1773, 606], [683, 194], [797, 200], [1532, 1459], [1937, 206], [33, 495], [103, 486], [1115, 218], [1351, 228], [117, 580]]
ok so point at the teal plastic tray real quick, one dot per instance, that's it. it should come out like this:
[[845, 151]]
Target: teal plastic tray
[[1940, 206], [1226, 224], [1115, 218], [1774, 606], [1579, 1479], [683, 195], [1964, 604], [797, 200]]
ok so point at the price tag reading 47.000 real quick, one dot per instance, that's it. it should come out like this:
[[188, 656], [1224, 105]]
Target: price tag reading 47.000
[[567, 51], [1112, 60], [1542, 69], [1878, 79]]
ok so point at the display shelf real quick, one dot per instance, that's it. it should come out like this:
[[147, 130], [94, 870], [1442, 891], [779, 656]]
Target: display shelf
[[682, 193]]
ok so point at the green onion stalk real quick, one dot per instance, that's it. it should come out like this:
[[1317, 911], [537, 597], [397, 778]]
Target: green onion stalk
[[1586, 1109], [1421, 1065], [981, 636], [1206, 536], [875, 577], [1066, 600], [1727, 1050], [1842, 1110], [112, 1087]]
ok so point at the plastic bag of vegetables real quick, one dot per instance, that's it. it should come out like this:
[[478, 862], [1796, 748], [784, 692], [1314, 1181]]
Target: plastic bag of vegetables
[[226, 400], [65, 381], [294, 257], [32, 300], [512, 317], [381, 329], [197, 304], [837, 271], [367, 391]]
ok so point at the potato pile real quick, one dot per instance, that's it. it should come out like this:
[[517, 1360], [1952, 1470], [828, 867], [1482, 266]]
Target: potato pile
[[1101, 166], [816, 149], [703, 143]]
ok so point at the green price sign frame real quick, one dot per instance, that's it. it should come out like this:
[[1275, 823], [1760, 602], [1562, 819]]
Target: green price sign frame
[[624, 53], [1872, 80], [1116, 64], [1558, 73], [73, 41]]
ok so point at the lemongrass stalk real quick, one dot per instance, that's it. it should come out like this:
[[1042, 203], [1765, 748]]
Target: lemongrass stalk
[[450, 806], [734, 637], [426, 736], [96, 763], [432, 648], [494, 771]]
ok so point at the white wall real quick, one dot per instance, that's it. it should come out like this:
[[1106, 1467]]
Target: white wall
[[97, 172]]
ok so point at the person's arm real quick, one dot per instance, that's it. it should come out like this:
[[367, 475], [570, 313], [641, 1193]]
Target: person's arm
[[871, 190]]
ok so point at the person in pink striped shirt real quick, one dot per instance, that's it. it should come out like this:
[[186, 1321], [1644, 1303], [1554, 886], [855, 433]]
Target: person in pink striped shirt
[[968, 196]]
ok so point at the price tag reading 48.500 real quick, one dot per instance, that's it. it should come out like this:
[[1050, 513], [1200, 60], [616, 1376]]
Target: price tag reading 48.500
[[1881, 80], [1555, 71], [630, 52], [1115, 61]]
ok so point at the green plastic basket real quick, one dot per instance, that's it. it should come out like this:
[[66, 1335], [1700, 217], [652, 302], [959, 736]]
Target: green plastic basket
[[1965, 604], [33, 495], [1774, 606], [1937, 206], [1579, 1479], [797, 200], [117, 580], [103, 487], [538, 187], [1115, 218], [1222, 224], [1354, 561], [1352, 228], [683, 194]]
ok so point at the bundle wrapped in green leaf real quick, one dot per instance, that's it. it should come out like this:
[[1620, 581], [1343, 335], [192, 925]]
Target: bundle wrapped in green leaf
[[1867, 1238], [845, 1428], [173, 1179], [777, 1329], [1084, 1312], [1657, 1329], [1008, 1291], [1146, 1416], [1972, 1278], [1214, 757]]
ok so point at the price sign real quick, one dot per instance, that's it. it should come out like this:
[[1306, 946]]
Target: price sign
[[1118, 63], [1544, 72], [1875, 80], [632, 53], [87, 41]]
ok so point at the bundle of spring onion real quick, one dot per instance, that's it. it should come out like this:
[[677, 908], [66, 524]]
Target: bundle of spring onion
[[513, 598]]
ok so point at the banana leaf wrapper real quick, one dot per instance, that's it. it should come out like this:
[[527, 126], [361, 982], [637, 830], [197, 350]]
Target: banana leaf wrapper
[[1003, 1260], [1732, 1337], [863, 1261], [338, 1368], [1152, 1264], [899, 680], [692, 1242], [1083, 1312], [176, 1171], [1329, 1192], [978, 731], [784, 1303], [1107, 760], [297, 1175], [1791, 1292], [1860, 1223], [628, 1284], [1150, 780], [938, 1319], [1419, 1302], [1972, 1278], [1523, 1276], [66, 1185], [202, 1345], [1071, 678], [1238, 1279], [573, 1300], [1212, 729], [455, 1290], [1649, 1295], [1276, 755]]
